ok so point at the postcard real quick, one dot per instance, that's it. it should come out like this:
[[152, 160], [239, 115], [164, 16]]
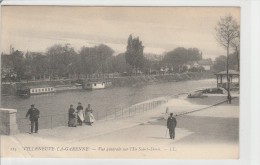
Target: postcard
[[120, 82]]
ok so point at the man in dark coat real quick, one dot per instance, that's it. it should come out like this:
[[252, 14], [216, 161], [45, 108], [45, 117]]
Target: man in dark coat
[[171, 124], [34, 114]]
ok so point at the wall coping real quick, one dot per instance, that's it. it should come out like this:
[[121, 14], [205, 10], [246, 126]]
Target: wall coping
[[6, 110]]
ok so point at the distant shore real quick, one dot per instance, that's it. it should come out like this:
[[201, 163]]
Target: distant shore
[[150, 79], [10, 88]]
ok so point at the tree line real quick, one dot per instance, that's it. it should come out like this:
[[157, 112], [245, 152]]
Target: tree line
[[62, 61]]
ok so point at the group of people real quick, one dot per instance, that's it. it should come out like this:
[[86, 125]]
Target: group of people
[[78, 116]]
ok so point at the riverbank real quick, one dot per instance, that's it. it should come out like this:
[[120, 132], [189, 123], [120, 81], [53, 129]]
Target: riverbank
[[150, 79], [214, 129], [11, 88]]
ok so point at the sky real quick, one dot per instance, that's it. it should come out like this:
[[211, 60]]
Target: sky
[[161, 29]]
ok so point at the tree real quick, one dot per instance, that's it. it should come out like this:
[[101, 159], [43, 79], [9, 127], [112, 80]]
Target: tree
[[118, 63], [94, 59], [7, 68], [227, 30], [135, 53], [180, 56], [220, 63], [59, 58], [18, 63], [36, 65], [103, 54], [235, 44]]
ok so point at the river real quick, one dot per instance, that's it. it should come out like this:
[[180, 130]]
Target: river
[[102, 101]]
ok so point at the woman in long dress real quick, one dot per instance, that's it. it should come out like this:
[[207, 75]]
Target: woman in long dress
[[72, 117], [89, 117], [80, 114]]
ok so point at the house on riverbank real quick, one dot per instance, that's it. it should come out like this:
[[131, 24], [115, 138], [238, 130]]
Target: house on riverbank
[[206, 64]]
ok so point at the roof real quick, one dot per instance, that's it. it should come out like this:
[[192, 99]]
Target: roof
[[205, 62], [32, 87], [230, 72], [190, 63], [202, 62]]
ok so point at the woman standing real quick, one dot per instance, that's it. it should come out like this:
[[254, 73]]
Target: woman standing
[[89, 117], [72, 117], [80, 114]]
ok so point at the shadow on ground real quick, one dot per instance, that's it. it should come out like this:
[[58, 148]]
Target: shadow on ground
[[211, 100], [206, 129]]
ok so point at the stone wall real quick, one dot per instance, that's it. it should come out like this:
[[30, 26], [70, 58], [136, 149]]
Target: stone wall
[[8, 125]]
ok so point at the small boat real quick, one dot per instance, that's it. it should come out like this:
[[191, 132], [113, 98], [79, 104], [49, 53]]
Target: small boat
[[23, 92], [94, 85], [205, 92]]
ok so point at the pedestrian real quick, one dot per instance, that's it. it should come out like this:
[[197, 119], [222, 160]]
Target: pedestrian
[[34, 114], [80, 114], [72, 117], [171, 124], [229, 99], [89, 117]]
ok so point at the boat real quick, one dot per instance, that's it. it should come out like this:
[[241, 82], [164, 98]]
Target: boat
[[59, 88], [94, 85], [32, 90], [23, 92], [205, 92]]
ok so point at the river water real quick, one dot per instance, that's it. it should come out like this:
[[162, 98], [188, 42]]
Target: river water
[[102, 101]]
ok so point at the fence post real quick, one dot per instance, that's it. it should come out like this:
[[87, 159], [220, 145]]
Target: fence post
[[64, 119], [51, 122], [97, 116]]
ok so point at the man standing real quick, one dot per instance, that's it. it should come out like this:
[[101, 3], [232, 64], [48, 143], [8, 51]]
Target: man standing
[[34, 114], [171, 124]]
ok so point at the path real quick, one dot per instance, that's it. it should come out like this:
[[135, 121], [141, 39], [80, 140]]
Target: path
[[203, 134]]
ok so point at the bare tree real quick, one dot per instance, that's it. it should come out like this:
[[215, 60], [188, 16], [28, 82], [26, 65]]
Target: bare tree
[[235, 44], [227, 31]]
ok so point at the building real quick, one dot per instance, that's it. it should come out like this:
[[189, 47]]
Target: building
[[205, 63]]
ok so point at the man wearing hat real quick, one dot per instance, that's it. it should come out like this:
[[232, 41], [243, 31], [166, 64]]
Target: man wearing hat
[[171, 124], [34, 114]]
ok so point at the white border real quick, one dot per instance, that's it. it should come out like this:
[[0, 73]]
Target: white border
[[249, 105], [126, 2]]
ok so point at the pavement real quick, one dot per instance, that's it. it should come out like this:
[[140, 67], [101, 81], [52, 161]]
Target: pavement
[[210, 132]]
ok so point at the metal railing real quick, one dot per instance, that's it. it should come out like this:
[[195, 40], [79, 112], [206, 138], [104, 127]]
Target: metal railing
[[52, 121], [139, 108]]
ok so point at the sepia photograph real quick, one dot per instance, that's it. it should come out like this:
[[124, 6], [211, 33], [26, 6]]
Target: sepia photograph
[[120, 82]]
